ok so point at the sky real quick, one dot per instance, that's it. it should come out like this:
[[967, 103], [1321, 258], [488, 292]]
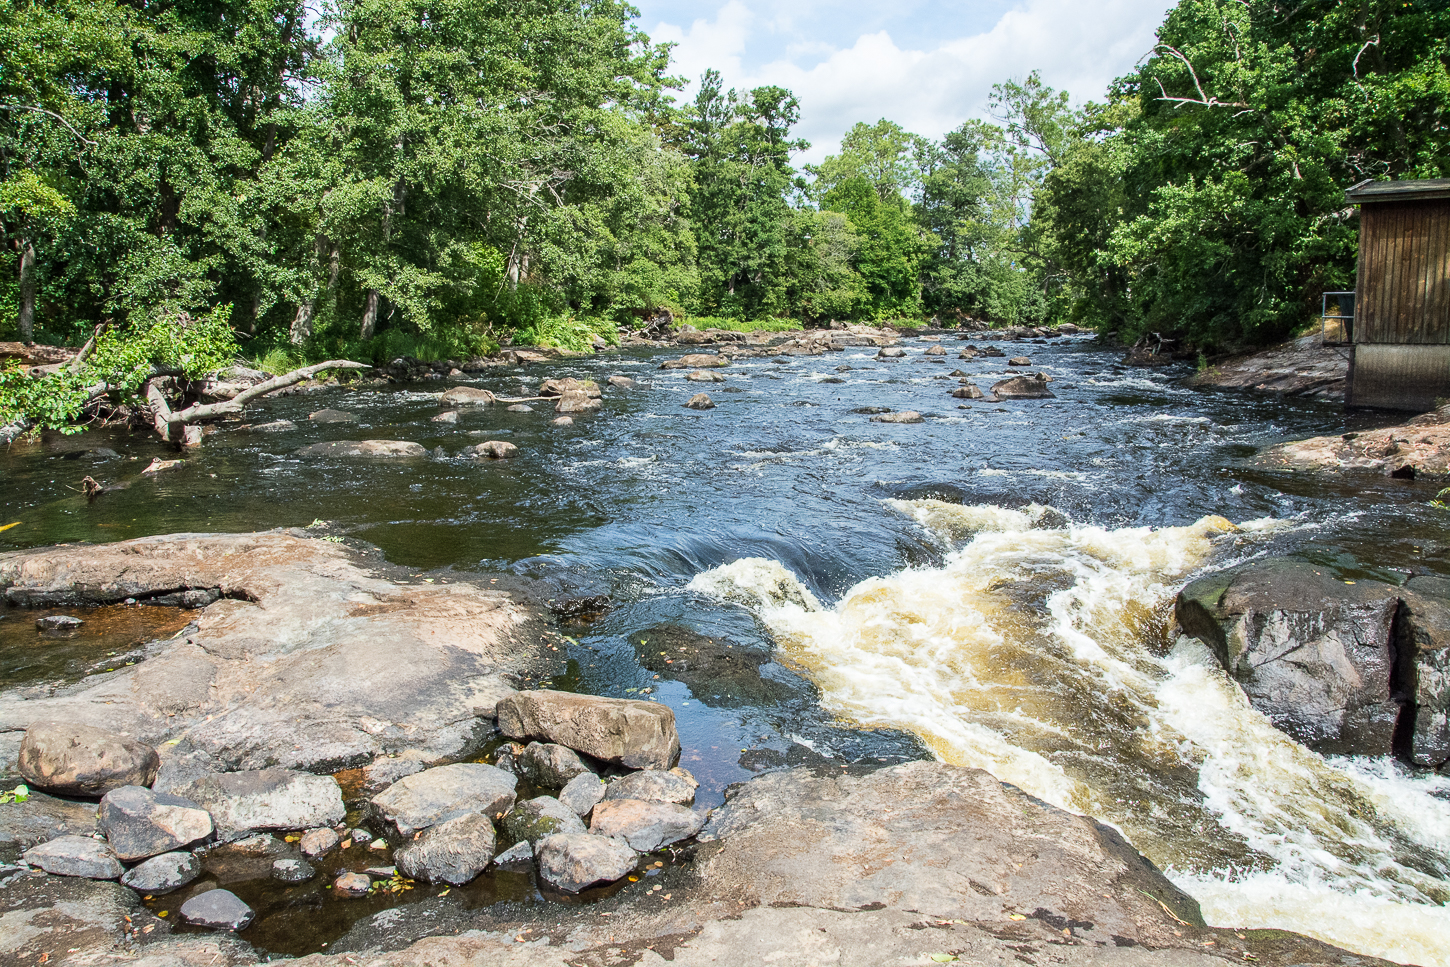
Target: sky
[[928, 65]]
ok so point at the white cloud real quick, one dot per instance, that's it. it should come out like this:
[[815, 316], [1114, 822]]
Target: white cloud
[[1078, 47]]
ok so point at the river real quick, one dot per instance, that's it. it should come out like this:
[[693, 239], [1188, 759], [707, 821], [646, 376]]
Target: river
[[992, 586]]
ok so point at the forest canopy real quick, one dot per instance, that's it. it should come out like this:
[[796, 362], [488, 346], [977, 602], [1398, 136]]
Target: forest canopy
[[343, 180]]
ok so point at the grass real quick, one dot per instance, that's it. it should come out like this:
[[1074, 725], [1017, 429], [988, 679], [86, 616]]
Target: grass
[[742, 325]]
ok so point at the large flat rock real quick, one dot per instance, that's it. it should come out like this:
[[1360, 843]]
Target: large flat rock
[[640, 735], [308, 659], [1300, 367], [1420, 446]]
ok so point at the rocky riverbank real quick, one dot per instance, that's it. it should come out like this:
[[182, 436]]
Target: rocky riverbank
[[1419, 446], [1300, 367]]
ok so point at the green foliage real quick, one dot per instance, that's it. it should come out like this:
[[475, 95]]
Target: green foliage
[[743, 325], [41, 403], [569, 334]]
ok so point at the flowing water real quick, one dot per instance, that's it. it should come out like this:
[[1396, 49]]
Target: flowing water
[[993, 585]]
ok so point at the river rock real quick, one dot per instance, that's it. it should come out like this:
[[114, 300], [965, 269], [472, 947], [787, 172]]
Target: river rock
[[1312, 652], [437, 794], [577, 402], [562, 421], [639, 735], [454, 851], [700, 401], [364, 449], [891, 352], [275, 426], [162, 874], [968, 392], [696, 361], [704, 376], [551, 765], [573, 862], [563, 387], [520, 408], [1300, 367], [869, 410], [240, 802], [1022, 388], [1418, 446], [653, 785], [1019, 361], [494, 450], [290, 869], [517, 856], [315, 842], [993, 352], [447, 416], [935, 351], [1422, 650], [217, 909], [622, 382], [79, 760], [467, 396], [352, 884], [58, 622], [332, 416], [582, 793], [139, 823], [904, 416], [533, 819], [75, 856], [646, 826]]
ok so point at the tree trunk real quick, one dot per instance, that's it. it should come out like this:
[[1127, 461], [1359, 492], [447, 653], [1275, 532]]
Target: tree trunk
[[370, 315], [301, 329], [27, 290]]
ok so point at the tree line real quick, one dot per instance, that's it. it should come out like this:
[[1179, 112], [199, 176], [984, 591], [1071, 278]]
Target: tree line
[[339, 180]]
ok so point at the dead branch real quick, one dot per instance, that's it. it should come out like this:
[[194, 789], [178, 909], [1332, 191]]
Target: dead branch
[[79, 359], [1203, 98], [198, 411]]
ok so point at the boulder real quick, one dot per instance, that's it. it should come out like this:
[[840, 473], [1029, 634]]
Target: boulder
[[577, 402], [352, 884], [645, 826], [696, 361], [332, 416], [700, 401], [58, 622], [268, 799], [582, 793], [290, 869], [550, 765], [434, 795], [563, 387], [704, 376], [162, 874], [364, 449], [493, 450], [79, 760], [1418, 446], [1300, 367], [639, 735], [968, 392], [1023, 388], [453, 851], [75, 856], [891, 352], [653, 785], [139, 823], [217, 909], [562, 421], [1422, 650], [904, 416], [447, 416], [467, 396], [1019, 361], [1312, 652], [315, 842], [622, 382], [533, 819], [935, 351], [573, 862]]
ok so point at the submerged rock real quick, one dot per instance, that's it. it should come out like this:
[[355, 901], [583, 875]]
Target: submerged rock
[[217, 909], [696, 361], [905, 416], [80, 760], [1023, 388], [352, 884], [162, 874], [76, 856], [640, 735], [533, 819], [369, 449], [704, 376], [332, 416], [315, 842], [139, 823], [447, 416], [58, 622], [290, 869], [436, 794], [700, 401], [573, 862], [645, 826], [454, 851], [622, 382], [517, 856]]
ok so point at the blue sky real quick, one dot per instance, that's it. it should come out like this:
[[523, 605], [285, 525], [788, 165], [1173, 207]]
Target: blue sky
[[926, 64]]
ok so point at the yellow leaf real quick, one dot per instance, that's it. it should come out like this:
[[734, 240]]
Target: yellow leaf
[[163, 913], [943, 958], [1016, 916], [8, 526]]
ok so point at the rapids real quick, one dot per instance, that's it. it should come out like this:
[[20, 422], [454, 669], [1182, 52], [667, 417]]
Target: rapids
[[992, 586]]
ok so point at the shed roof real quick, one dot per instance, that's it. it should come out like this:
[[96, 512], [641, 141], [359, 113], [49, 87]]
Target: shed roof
[[1425, 189]]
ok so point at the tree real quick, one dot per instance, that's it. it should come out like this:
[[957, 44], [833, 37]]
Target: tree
[[884, 154]]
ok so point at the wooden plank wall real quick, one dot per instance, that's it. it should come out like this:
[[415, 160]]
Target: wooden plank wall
[[1415, 378], [1404, 273]]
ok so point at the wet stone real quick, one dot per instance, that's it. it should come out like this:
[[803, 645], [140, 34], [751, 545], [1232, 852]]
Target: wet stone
[[869, 410], [58, 622], [582, 793], [162, 874], [217, 909], [452, 852], [75, 856], [520, 408], [292, 870], [448, 416], [315, 842], [905, 416], [573, 862], [551, 765], [352, 884], [332, 416], [517, 856], [534, 819]]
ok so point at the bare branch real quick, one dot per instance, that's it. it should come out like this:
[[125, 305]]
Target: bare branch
[[198, 411], [41, 110], [1203, 98], [79, 358], [1372, 42]]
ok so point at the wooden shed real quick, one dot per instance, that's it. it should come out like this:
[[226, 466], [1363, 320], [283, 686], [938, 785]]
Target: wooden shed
[[1401, 332]]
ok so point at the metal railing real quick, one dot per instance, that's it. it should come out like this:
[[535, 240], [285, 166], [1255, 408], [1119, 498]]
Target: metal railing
[[1336, 319]]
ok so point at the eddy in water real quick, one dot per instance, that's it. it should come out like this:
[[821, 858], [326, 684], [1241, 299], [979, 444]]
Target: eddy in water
[[1040, 652]]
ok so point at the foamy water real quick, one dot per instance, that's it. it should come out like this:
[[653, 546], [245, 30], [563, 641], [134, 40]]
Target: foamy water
[[1039, 652]]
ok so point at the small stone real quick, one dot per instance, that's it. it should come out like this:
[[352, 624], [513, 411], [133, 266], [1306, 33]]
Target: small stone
[[454, 851], [891, 352], [573, 862], [905, 416], [652, 785], [622, 382], [382, 872], [218, 909], [81, 856], [352, 884], [332, 416], [448, 416], [551, 765], [967, 393], [644, 825], [139, 823], [700, 401], [563, 421], [292, 870], [935, 351], [520, 408], [162, 874], [494, 450], [866, 410], [518, 856], [360, 837], [704, 376], [58, 622], [1019, 361], [534, 819], [434, 795], [80, 760], [582, 793], [957, 372], [843, 369], [315, 842]]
